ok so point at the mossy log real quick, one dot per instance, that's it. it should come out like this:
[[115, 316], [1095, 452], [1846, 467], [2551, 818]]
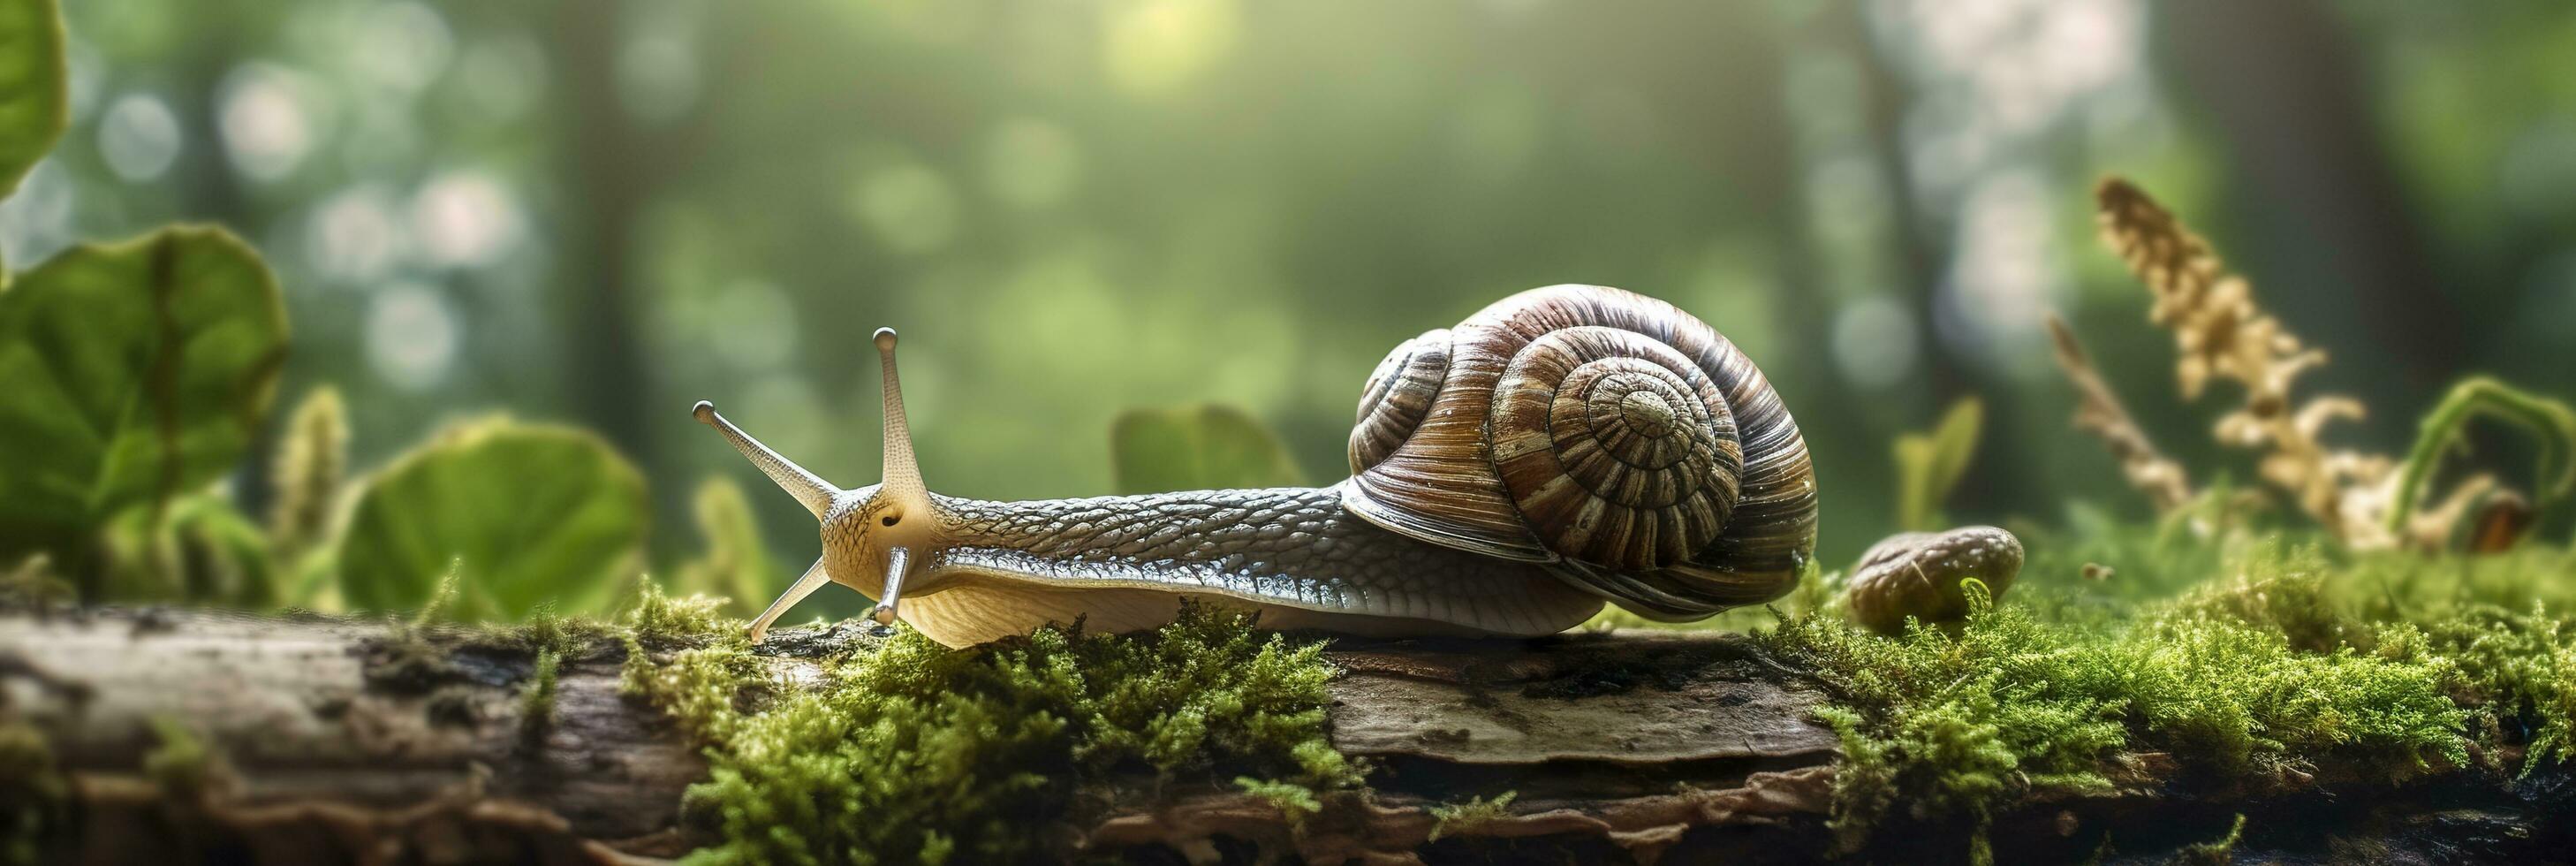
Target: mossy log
[[333, 740]]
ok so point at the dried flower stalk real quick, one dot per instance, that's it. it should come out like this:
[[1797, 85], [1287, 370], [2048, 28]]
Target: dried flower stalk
[[2102, 414], [2369, 500], [2222, 334]]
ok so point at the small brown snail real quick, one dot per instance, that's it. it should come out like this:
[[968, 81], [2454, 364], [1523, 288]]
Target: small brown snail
[[1564, 447], [1920, 575]]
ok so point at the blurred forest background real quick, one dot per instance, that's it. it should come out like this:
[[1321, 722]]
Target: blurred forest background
[[597, 211]]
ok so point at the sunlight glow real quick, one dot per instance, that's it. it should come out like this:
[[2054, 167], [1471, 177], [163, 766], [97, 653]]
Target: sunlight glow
[[411, 335], [464, 219], [139, 137], [267, 129], [1153, 47]]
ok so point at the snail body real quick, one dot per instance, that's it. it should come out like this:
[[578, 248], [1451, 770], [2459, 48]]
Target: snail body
[[1564, 448]]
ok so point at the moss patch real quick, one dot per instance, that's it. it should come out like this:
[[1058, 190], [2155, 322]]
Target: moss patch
[[2287, 659], [917, 752], [537, 698], [1467, 816]]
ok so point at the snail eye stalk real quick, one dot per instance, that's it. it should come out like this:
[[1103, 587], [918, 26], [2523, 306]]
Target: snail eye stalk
[[809, 489], [902, 475]]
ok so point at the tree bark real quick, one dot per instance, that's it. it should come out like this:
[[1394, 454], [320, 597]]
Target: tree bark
[[341, 741]]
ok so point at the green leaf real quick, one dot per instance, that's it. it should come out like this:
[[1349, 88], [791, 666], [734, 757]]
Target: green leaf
[[1930, 464], [525, 513], [736, 566], [2550, 422], [32, 97], [135, 372], [1206, 447]]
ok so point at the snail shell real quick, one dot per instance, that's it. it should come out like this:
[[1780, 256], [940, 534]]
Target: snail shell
[[1918, 575], [1604, 432]]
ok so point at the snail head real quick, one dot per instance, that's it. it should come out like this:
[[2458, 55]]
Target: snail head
[[868, 532]]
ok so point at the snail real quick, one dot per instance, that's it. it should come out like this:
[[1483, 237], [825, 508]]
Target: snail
[[1564, 448], [1921, 575]]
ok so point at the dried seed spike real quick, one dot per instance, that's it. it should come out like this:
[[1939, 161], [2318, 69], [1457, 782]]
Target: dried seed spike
[[2220, 333], [311, 462], [2101, 413]]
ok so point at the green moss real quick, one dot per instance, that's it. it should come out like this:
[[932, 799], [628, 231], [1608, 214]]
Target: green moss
[[1956, 726], [2517, 670], [182, 766], [701, 688], [441, 598], [537, 698], [2216, 852], [547, 631], [917, 752], [1294, 801], [658, 619], [1463, 817]]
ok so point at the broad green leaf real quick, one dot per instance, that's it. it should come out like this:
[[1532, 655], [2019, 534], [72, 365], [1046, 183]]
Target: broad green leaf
[[1205, 447], [525, 513], [736, 566], [135, 372], [31, 86], [1930, 464]]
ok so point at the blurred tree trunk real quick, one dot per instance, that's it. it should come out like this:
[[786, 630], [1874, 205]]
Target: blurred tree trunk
[[2288, 99], [1923, 260], [609, 173]]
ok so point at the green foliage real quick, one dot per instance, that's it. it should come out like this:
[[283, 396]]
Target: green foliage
[[202, 550], [736, 566], [33, 97], [532, 512], [916, 752], [2549, 421], [1206, 447], [1930, 464], [137, 373]]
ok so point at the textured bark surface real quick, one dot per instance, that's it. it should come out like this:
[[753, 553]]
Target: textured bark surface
[[343, 743]]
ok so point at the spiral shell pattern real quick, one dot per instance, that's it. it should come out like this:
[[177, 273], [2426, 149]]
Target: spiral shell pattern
[[1616, 450], [1606, 433], [1397, 396]]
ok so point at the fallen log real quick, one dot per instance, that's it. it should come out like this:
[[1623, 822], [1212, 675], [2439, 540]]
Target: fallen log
[[369, 741]]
